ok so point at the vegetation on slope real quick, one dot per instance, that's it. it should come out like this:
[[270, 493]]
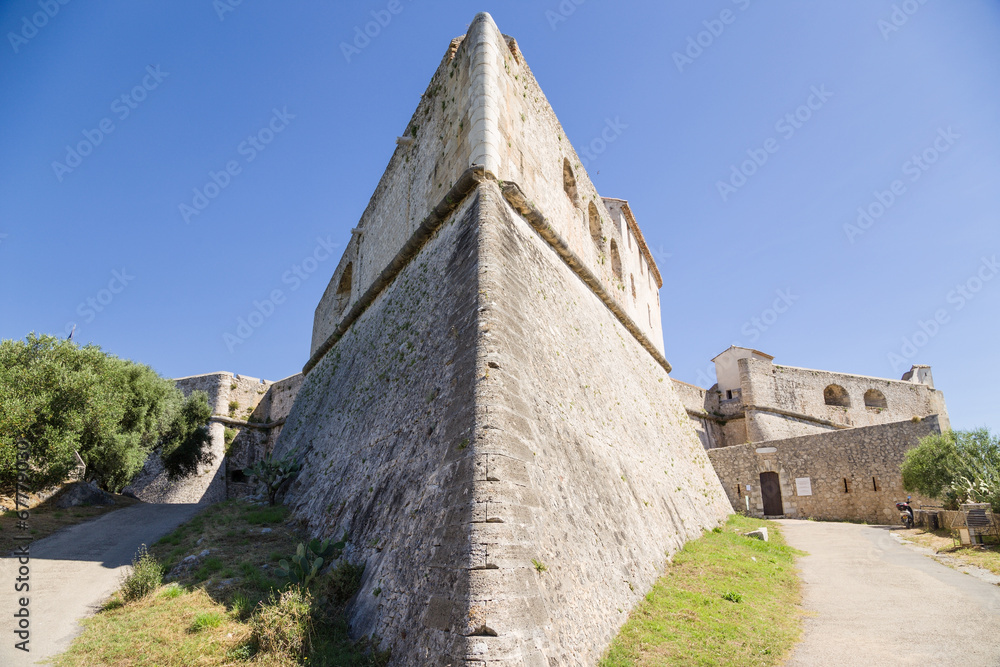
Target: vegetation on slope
[[725, 599], [229, 606]]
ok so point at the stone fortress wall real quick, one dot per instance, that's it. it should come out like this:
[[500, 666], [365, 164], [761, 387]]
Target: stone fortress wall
[[851, 474], [487, 411], [483, 107], [247, 415], [844, 433], [756, 400]]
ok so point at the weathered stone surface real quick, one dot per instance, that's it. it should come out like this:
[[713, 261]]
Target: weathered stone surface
[[251, 410], [852, 474], [487, 410], [759, 534], [84, 493]]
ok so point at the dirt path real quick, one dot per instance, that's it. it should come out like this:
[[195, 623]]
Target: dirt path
[[72, 572], [873, 601]]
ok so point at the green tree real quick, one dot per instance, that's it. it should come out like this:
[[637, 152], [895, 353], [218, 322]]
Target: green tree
[[955, 467], [63, 398]]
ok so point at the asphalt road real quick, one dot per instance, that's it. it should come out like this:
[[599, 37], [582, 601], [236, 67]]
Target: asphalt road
[[72, 572], [872, 601]]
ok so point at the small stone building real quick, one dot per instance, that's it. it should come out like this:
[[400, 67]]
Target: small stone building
[[247, 416], [799, 442]]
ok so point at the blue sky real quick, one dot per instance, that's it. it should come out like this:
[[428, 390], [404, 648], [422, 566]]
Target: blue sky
[[751, 134]]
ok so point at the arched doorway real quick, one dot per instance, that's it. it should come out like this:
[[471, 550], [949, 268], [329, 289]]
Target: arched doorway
[[770, 491]]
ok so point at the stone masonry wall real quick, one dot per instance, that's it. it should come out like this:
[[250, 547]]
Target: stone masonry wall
[[800, 390], [592, 465], [513, 421], [866, 458], [483, 106], [208, 483], [240, 405], [384, 423]]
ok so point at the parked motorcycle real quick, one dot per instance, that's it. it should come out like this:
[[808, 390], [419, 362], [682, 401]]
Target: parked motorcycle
[[905, 513]]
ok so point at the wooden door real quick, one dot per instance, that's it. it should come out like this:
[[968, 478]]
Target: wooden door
[[770, 490]]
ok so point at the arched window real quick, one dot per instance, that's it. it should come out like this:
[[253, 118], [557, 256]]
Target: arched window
[[836, 395], [875, 399], [595, 225], [616, 260], [569, 183], [344, 288]]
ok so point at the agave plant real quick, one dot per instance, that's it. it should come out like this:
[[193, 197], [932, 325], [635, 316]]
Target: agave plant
[[308, 560]]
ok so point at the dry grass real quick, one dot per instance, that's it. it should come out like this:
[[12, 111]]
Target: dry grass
[[46, 518], [221, 611], [941, 541]]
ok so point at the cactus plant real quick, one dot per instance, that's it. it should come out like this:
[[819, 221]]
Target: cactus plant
[[308, 560]]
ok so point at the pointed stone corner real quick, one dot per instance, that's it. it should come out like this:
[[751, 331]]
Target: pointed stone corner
[[487, 411]]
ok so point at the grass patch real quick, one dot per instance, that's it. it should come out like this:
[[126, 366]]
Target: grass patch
[[267, 515], [46, 518], [724, 600], [986, 556], [253, 619]]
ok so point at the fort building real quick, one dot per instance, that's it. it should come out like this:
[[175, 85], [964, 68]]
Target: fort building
[[487, 410], [799, 442]]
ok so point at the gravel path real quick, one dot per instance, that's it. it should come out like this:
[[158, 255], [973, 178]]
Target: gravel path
[[870, 600], [72, 572]]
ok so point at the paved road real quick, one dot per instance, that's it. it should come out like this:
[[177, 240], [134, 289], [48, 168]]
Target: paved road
[[73, 571], [873, 601]]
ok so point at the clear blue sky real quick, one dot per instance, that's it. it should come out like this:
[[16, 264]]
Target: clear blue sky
[[924, 83]]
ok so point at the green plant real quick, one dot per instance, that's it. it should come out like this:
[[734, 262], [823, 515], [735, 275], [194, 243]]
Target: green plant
[[233, 407], [171, 591], [144, 578], [274, 473], [228, 436], [284, 624], [206, 619], [539, 566], [732, 596], [343, 581], [308, 560]]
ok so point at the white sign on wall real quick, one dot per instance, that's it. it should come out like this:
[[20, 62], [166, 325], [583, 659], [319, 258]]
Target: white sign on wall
[[803, 486]]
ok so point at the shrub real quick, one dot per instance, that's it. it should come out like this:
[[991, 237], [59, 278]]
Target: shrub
[[283, 625], [342, 582], [144, 578]]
